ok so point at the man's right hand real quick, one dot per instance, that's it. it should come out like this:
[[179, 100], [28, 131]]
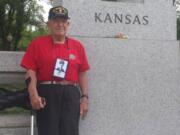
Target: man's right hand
[[37, 102]]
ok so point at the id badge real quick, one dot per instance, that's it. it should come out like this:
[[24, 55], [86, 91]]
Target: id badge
[[60, 68]]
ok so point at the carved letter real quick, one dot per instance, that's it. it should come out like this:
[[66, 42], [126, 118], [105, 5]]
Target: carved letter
[[146, 21], [118, 18], [136, 20], [108, 18], [97, 17], [128, 19]]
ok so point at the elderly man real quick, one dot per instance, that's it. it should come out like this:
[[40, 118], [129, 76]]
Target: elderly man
[[55, 65]]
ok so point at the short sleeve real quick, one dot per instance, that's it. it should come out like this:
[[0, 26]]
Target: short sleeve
[[29, 59], [84, 62]]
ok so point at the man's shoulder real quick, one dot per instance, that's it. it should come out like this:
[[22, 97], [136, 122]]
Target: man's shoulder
[[40, 41], [42, 38], [75, 42]]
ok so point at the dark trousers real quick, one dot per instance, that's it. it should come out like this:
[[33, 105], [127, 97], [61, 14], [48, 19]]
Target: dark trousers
[[61, 113]]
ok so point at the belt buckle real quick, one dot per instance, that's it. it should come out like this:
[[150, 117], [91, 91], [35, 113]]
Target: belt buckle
[[53, 82], [59, 82], [63, 83]]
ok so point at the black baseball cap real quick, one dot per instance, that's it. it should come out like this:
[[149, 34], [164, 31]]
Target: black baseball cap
[[58, 12]]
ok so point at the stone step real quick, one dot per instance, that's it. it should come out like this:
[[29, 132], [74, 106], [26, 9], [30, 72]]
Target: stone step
[[15, 125]]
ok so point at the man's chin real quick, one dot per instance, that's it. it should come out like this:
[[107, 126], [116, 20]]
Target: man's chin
[[60, 34]]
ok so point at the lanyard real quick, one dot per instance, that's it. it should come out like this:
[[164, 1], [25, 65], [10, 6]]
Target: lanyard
[[58, 71], [56, 51]]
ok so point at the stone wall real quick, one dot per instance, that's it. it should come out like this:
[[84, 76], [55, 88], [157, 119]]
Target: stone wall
[[10, 71], [15, 125], [134, 87], [149, 20], [134, 82]]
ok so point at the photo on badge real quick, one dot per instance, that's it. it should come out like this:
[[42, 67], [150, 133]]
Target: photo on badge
[[60, 68]]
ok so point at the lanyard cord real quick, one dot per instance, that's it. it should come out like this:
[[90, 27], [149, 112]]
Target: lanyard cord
[[66, 44], [55, 56]]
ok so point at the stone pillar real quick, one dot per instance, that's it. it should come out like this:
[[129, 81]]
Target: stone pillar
[[134, 82], [134, 1], [57, 2]]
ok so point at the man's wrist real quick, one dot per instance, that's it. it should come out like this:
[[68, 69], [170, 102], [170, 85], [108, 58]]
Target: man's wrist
[[33, 93], [33, 96]]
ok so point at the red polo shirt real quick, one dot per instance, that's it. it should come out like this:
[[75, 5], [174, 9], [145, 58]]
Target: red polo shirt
[[42, 53]]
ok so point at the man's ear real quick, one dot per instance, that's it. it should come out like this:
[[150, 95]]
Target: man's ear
[[47, 23]]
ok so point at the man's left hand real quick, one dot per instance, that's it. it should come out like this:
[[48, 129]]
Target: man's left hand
[[83, 107]]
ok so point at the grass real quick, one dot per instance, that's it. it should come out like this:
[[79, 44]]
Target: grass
[[14, 110]]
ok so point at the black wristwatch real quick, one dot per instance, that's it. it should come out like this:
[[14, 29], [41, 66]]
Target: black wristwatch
[[84, 96]]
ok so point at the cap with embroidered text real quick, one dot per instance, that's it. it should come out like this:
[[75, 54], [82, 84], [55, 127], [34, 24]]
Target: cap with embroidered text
[[58, 12]]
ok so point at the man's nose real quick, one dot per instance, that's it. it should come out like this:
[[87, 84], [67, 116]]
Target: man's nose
[[60, 23]]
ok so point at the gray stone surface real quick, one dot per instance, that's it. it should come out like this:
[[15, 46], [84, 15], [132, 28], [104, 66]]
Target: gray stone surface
[[15, 125], [134, 83], [147, 2], [57, 2], [12, 77], [134, 87], [160, 15], [128, 1], [14, 121], [10, 70], [15, 131], [10, 61]]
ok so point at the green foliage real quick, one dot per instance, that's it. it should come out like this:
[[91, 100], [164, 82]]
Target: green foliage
[[28, 35], [16, 16], [14, 110], [178, 18], [178, 28]]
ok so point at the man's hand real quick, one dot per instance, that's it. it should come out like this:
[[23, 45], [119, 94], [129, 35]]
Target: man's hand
[[83, 107], [37, 102], [83, 82]]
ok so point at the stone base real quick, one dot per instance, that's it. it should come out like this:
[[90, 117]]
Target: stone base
[[134, 87], [133, 90], [15, 125]]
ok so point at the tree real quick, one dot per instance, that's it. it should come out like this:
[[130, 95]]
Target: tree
[[29, 35], [16, 16], [177, 3]]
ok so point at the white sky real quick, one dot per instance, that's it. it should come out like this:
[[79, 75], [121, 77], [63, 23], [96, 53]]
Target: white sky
[[46, 6]]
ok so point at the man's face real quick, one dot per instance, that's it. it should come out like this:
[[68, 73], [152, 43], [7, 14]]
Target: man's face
[[58, 26]]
